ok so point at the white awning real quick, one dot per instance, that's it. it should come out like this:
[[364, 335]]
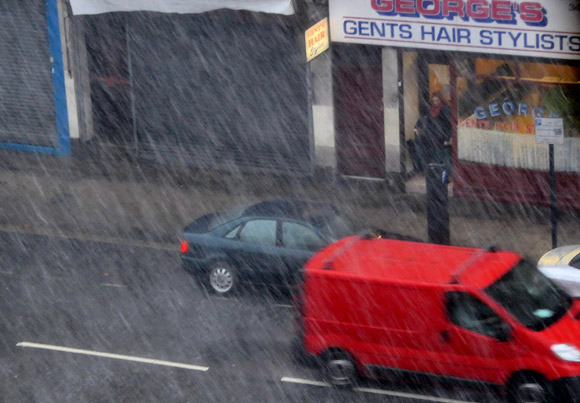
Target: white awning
[[180, 6]]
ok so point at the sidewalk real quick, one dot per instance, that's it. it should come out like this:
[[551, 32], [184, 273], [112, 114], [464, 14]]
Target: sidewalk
[[116, 198]]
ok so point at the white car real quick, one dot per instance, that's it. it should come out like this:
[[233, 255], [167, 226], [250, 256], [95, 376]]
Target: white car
[[562, 265]]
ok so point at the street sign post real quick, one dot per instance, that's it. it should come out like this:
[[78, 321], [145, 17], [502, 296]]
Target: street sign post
[[551, 131]]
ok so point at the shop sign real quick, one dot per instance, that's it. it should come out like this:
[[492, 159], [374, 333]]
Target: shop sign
[[180, 6], [316, 38], [549, 131], [526, 28]]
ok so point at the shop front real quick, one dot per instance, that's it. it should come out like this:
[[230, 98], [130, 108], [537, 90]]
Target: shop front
[[220, 85], [499, 65]]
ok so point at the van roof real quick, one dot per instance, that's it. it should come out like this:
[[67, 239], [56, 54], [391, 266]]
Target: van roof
[[414, 261]]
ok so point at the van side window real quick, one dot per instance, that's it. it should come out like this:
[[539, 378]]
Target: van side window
[[468, 312]]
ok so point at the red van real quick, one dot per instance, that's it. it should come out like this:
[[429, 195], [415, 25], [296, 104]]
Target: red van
[[372, 307]]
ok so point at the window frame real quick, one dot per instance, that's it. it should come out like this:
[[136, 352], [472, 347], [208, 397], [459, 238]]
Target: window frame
[[452, 297], [237, 228], [309, 227], [254, 219]]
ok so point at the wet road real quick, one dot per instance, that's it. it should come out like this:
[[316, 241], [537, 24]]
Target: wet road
[[98, 321]]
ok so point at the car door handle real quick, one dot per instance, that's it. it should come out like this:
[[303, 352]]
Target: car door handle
[[445, 336]]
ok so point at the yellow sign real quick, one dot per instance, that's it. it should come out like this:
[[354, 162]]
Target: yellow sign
[[316, 38]]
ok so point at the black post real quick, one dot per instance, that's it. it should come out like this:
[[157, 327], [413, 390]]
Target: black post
[[437, 204], [553, 209]]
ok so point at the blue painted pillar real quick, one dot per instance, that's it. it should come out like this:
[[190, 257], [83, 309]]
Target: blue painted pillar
[[61, 109]]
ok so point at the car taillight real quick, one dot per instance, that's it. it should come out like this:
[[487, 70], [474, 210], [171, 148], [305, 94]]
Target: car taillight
[[184, 246]]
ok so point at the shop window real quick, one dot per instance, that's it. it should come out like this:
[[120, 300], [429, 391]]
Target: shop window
[[498, 101]]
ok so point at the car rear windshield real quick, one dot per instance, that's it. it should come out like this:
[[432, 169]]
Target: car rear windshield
[[530, 296], [221, 218]]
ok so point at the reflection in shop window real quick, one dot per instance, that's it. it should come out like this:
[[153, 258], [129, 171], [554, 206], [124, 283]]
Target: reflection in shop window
[[497, 103]]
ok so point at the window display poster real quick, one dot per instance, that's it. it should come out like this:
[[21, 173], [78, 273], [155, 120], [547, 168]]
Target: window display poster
[[549, 131]]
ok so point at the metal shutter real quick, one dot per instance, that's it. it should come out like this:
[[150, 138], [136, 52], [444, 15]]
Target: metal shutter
[[220, 91], [27, 107]]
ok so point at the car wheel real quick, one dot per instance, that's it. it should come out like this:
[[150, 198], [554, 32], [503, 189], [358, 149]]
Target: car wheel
[[222, 278], [530, 388], [339, 368]]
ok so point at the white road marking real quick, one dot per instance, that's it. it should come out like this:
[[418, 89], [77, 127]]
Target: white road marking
[[284, 306], [113, 285], [25, 344], [304, 381], [377, 391]]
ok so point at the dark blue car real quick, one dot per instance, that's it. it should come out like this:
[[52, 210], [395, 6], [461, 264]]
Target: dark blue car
[[265, 243]]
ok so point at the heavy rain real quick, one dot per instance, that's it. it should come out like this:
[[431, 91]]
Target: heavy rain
[[289, 201]]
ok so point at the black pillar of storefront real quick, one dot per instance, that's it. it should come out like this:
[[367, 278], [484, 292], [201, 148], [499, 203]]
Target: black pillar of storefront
[[437, 204]]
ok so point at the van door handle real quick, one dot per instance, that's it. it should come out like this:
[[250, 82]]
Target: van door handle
[[445, 336]]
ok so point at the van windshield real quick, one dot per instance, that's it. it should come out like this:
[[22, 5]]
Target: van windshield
[[530, 296]]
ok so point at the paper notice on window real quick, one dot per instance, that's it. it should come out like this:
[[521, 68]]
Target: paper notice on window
[[549, 131]]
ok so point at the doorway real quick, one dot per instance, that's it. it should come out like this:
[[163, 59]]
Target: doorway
[[359, 111], [109, 81], [424, 73]]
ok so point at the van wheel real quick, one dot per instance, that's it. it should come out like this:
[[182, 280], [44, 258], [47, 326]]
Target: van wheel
[[339, 368], [222, 278], [530, 388]]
